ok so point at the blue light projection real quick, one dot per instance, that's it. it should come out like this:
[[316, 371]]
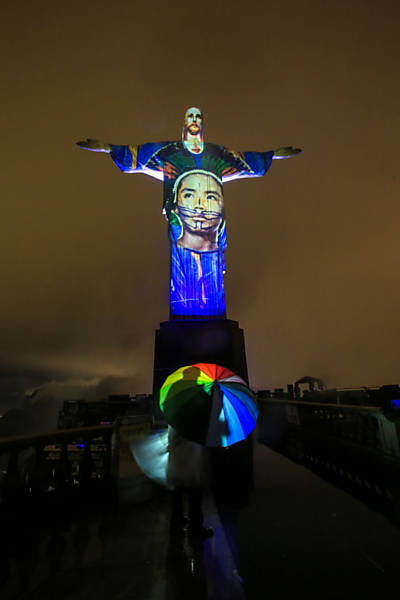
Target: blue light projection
[[193, 173]]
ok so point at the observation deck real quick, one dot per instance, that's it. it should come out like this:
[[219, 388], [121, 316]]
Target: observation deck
[[95, 527]]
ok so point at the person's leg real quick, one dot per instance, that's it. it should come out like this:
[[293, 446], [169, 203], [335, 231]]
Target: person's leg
[[177, 516], [195, 499], [196, 528]]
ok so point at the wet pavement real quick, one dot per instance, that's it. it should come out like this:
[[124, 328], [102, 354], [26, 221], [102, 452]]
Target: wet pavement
[[301, 534], [294, 533]]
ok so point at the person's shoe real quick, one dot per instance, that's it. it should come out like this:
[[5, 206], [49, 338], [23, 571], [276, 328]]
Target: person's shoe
[[200, 533]]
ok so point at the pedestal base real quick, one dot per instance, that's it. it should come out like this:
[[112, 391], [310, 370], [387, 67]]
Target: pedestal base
[[220, 342], [181, 343]]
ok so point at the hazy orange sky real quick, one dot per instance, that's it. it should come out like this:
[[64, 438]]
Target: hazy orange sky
[[313, 248]]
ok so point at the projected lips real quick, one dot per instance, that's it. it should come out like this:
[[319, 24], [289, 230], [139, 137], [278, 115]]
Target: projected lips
[[194, 128]]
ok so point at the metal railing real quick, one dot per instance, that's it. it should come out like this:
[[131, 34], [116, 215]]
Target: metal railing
[[59, 466], [357, 447]]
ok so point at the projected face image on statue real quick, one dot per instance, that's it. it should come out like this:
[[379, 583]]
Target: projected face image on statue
[[198, 199], [193, 172]]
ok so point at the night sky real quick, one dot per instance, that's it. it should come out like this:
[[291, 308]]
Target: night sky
[[313, 247]]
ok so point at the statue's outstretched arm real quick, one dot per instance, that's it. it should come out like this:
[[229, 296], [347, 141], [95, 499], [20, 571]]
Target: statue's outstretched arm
[[285, 152], [255, 164], [130, 159], [94, 146], [125, 157]]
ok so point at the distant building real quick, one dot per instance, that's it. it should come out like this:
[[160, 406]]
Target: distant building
[[84, 413]]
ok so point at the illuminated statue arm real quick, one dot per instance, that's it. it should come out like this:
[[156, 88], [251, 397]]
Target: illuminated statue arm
[[131, 159], [260, 162], [253, 164], [94, 146], [286, 152], [124, 156], [256, 164]]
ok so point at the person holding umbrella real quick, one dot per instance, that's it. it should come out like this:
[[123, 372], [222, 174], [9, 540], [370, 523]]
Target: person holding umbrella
[[205, 406], [188, 474]]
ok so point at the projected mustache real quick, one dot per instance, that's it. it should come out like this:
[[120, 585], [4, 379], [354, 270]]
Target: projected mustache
[[189, 212]]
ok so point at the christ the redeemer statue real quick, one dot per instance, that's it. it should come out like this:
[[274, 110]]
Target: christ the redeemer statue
[[193, 173]]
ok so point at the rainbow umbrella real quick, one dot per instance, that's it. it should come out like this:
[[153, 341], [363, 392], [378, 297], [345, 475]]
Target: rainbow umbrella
[[208, 404]]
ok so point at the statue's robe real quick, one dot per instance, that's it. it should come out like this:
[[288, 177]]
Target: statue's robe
[[197, 278]]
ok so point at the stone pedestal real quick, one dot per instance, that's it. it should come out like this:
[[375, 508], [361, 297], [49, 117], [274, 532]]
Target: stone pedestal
[[180, 343]]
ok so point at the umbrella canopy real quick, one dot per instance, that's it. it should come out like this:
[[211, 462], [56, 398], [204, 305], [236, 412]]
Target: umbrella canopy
[[209, 404]]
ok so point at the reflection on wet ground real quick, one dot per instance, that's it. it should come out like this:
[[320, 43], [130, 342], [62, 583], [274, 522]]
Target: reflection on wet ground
[[90, 552], [301, 534], [277, 526]]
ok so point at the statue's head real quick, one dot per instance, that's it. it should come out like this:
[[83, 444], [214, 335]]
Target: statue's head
[[193, 124]]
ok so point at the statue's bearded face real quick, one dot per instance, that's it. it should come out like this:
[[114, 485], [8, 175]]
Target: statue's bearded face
[[194, 121]]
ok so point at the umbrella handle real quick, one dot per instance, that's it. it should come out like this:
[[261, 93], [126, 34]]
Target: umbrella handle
[[216, 391]]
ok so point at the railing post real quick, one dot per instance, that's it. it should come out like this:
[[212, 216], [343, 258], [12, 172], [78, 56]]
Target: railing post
[[38, 475], [86, 463], [62, 471], [12, 485], [114, 456], [59, 469]]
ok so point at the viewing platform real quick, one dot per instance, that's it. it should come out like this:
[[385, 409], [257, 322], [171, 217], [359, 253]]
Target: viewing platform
[[292, 532]]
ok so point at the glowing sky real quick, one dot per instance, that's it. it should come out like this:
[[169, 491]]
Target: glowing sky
[[313, 248]]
